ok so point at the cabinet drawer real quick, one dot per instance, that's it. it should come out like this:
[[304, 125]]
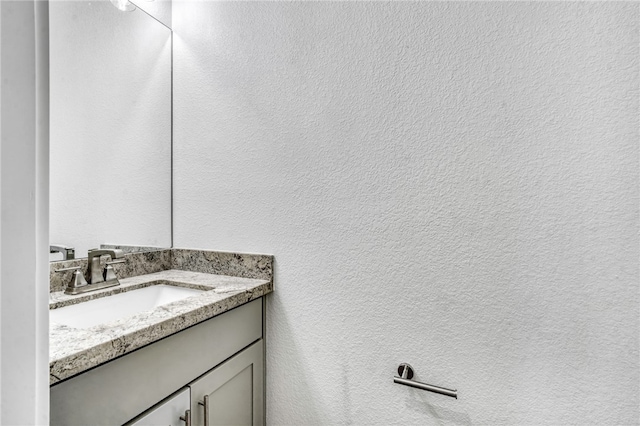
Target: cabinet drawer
[[116, 392]]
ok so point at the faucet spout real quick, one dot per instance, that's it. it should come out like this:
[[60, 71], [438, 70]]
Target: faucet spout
[[114, 253], [68, 253], [95, 271]]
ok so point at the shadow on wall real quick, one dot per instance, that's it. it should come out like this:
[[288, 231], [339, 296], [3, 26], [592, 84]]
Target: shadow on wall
[[418, 402], [296, 381]]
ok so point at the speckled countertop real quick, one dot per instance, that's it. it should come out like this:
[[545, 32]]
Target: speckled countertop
[[74, 350]]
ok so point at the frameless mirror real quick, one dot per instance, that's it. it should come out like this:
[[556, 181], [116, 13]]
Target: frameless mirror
[[110, 148]]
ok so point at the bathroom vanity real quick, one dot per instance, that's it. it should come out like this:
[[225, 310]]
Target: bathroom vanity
[[168, 334], [198, 360]]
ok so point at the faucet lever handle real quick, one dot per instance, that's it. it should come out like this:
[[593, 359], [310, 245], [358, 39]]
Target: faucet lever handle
[[77, 279], [72, 268], [109, 273]]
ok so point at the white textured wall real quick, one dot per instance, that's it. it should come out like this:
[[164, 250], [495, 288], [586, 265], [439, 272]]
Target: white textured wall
[[453, 185], [159, 9], [110, 127]]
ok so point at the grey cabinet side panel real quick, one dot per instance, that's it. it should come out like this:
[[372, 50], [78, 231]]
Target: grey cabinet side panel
[[121, 389], [264, 360]]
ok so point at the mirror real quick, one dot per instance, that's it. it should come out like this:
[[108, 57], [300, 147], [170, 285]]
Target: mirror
[[110, 148]]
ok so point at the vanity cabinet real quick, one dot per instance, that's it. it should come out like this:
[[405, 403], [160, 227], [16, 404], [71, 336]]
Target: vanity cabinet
[[230, 394], [221, 358]]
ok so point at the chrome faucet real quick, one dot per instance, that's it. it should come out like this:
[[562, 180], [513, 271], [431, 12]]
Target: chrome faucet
[[97, 278], [95, 272], [68, 253]]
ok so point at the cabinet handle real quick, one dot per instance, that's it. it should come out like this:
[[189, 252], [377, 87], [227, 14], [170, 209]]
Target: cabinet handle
[[186, 418], [205, 404]]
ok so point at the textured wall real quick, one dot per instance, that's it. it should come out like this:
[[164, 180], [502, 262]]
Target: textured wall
[[159, 9], [110, 127], [453, 185]]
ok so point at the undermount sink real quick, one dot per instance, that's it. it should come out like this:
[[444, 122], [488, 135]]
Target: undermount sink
[[122, 305]]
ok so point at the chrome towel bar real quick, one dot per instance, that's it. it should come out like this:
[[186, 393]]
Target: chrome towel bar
[[406, 374]]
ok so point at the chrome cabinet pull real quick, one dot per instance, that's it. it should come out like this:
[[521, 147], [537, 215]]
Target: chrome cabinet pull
[[186, 418], [205, 405], [406, 373]]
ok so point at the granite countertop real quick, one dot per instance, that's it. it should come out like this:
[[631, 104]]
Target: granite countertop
[[73, 350]]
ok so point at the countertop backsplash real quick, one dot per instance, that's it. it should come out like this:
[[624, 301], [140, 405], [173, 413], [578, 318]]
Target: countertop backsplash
[[243, 265]]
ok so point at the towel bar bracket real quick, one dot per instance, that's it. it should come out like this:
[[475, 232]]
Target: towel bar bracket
[[409, 371]]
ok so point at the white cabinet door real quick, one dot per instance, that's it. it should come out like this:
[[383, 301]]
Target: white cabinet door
[[166, 413], [232, 393]]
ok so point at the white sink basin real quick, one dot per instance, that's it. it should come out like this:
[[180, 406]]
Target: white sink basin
[[121, 305]]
